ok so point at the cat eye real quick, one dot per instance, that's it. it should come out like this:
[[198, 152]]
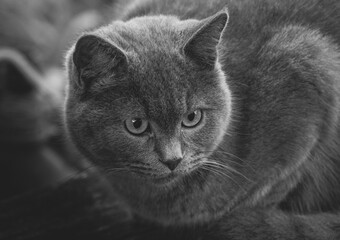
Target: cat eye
[[192, 119], [136, 126]]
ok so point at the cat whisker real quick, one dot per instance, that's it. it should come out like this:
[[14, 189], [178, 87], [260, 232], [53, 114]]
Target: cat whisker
[[115, 170], [215, 170], [220, 150], [243, 162], [136, 163], [218, 172], [236, 161], [139, 166], [228, 168], [229, 159]]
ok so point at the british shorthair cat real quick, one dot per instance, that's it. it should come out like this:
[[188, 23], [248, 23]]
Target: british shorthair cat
[[218, 112]]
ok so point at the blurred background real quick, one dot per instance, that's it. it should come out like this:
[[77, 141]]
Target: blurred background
[[34, 38], [43, 29]]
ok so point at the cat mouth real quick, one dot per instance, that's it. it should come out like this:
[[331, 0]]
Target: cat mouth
[[174, 176], [169, 178]]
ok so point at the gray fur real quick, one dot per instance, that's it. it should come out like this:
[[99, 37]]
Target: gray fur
[[278, 111]]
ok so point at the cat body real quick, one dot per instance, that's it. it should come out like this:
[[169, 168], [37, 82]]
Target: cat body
[[264, 79], [29, 108]]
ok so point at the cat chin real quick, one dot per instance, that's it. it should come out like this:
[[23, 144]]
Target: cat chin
[[165, 181], [163, 178], [159, 181], [149, 199]]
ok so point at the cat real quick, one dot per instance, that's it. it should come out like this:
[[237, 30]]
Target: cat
[[29, 109], [221, 114]]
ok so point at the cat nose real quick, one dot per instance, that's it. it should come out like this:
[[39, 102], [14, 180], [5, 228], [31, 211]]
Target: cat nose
[[172, 164]]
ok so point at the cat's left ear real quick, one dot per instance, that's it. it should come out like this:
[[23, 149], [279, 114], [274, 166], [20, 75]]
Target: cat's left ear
[[202, 45]]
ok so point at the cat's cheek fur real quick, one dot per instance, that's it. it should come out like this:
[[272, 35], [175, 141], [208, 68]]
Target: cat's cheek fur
[[218, 122], [224, 116]]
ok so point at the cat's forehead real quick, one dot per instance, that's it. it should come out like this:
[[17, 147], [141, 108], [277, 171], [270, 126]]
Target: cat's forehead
[[160, 90], [149, 33]]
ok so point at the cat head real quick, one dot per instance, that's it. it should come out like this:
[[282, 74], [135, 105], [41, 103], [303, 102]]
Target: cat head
[[28, 106], [147, 99]]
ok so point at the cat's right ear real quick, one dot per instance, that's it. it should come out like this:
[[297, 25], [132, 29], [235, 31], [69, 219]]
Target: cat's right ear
[[95, 58]]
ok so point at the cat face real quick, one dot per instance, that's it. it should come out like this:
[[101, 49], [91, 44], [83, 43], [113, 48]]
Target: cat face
[[147, 98], [28, 105]]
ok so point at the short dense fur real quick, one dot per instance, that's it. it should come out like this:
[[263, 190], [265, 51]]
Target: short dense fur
[[278, 112]]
